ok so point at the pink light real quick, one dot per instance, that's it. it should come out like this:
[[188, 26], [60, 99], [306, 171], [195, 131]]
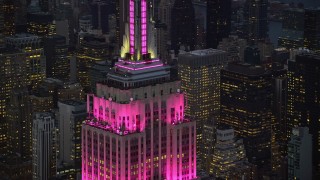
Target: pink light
[[131, 14], [138, 63], [144, 49], [142, 68]]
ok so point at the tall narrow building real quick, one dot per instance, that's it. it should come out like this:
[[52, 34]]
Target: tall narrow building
[[12, 73], [35, 59], [199, 72], [304, 99], [72, 114], [258, 19], [246, 93], [7, 17], [43, 147], [218, 21], [300, 154], [312, 29], [183, 26], [136, 127]]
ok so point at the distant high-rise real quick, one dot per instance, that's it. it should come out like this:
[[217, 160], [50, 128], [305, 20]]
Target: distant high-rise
[[19, 119], [100, 11], [43, 147], [57, 59], [218, 21], [292, 28], [304, 99], [312, 29], [164, 27], [72, 114], [234, 46], [17, 163], [92, 50], [183, 27], [13, 74], [35, 59], [7, 17], [246, 93], [199, 72], [258, 19], [300, 154], [39, 22]]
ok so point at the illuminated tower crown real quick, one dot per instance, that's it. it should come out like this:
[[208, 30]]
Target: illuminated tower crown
[[138, 43]]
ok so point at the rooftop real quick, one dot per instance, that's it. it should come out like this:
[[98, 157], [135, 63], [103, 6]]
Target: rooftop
[[205, 52], [72, 102]]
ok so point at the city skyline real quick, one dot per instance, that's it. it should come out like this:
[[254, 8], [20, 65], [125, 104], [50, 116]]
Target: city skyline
[[159, 89]]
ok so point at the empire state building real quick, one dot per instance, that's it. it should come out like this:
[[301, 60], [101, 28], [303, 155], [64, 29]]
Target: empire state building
[[136, 126]]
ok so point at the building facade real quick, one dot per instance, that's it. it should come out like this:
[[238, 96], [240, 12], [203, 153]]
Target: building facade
[[246, 93], [183, 26], [12, 71], [199, 72], [35, 59], [258, 19], [43, 147], [72, 114], [303, 99], [136, 127], [229, 157], [300, 154], [218, 21]]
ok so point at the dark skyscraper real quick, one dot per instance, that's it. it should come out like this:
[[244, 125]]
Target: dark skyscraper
[[304, 99], [312, 29], [258, 19], [57, 60], [7, 17], [218, 21], [246, 93], [183, 30]]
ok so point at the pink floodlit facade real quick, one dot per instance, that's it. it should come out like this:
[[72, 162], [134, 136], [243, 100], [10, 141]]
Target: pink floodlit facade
[[136, 128], [141, 139], [138, 23]]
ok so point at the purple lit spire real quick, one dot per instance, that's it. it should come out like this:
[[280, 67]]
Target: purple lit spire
[[138, 32]]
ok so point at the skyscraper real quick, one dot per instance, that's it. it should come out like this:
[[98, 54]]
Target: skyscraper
[[35, 59], [292, 28], [39, 23], [183, 26], [19, 119], [92, 50], [304, 99], [136, 127], [312, 29], [57, 59], [43, 147], [300, 154], [199, 71], [7, 17], [258, 19], [246, 94], [12, 73], [72, 114], [218, 21]]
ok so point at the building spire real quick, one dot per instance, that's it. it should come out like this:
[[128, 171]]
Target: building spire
[[135, 44]]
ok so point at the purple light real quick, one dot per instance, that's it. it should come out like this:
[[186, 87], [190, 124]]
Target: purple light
[[135, 69], [144, 49], [131, 26], [138, 63]]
